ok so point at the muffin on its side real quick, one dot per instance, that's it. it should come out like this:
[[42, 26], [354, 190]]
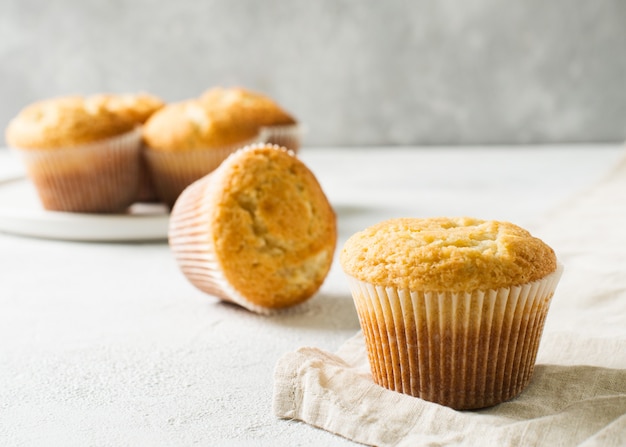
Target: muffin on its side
[[257, 111], [452, 309], [184, 141], [258, 231], [81, 157]]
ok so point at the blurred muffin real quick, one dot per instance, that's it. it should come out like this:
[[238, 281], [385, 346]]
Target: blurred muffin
[[136, 107], [258, 231], [452, 309], [80, 156], [184, 141], [259, 111]]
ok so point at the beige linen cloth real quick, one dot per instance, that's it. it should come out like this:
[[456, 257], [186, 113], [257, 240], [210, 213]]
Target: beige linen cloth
[[577, 396]]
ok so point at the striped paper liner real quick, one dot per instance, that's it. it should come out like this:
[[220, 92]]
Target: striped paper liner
[[462, 350]]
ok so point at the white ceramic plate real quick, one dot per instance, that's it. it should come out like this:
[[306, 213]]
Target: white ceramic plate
[[21, 213]]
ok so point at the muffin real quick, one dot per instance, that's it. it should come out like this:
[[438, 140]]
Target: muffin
[[184, 141], [258, 111], [258, 231], [136, 107], [80, 156], [452, 309]]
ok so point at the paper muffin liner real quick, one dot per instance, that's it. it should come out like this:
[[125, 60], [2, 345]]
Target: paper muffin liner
[[190, 240], [288, 136], [99, 177], [172, 172], [462, 350]]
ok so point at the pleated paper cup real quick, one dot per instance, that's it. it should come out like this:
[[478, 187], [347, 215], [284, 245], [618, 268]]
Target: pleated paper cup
[[100, 177], [288, 136], [172, 172], [462, 350]]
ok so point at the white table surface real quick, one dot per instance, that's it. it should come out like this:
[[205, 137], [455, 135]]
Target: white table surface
[[107, 344]]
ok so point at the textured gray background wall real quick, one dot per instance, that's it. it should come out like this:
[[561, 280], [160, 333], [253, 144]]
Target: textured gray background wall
[[355, 72]]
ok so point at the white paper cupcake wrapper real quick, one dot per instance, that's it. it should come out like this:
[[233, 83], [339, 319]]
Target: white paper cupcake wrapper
[[190, 239], [288, 136], [100, 177], [172, 172], [462, 350]]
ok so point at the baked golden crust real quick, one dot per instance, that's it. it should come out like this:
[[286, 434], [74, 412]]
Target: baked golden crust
[[273, 229], [64, 122], [190, 125], [446, 254], [250, 108], [135, 107]]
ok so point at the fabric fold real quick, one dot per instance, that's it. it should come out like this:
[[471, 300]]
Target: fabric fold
[[563, 405]]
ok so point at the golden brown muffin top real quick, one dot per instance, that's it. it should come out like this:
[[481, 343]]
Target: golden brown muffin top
[[249, 107], [136, 107], [64, 122], [446, 254], [273, 229], [189, 125]]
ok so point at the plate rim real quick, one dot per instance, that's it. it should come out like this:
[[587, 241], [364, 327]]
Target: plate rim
[[62, 225]]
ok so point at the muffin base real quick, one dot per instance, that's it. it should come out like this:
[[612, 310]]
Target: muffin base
[[462, 350], [100, 177]]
